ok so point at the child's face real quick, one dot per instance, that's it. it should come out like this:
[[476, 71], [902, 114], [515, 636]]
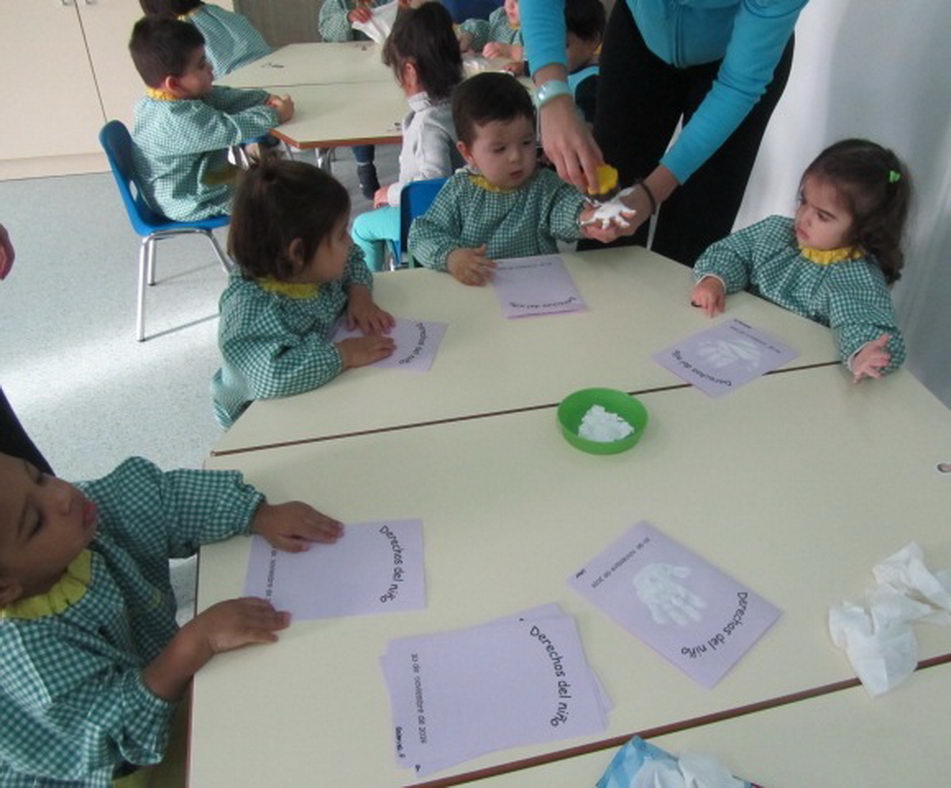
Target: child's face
[[196, 81], [511, 12], [580, 52], [330, 258], [44, 524], [822, 219], [503, 151]]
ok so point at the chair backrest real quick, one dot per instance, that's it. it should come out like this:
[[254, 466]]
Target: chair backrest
[[415, 200], [116, 142]]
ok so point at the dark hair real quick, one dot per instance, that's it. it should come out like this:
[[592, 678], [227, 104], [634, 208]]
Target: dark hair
[[278, 200], [425, 36], [876, 189], [172, 8], [585, 18], [487, 97], [161, 47]]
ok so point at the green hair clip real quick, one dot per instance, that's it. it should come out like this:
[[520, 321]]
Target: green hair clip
[[894, 176]]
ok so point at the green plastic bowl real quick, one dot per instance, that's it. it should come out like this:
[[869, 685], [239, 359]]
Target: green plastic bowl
[[573, 407]]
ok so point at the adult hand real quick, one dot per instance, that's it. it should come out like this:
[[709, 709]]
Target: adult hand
[[7, 254], [569, 145]]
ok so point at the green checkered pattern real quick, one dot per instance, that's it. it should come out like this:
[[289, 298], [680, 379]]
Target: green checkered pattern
[[850, 296], [495, 28], [273, 345], [181, 148], [522, 223], [231, 40], [72, 700], [332, 20]]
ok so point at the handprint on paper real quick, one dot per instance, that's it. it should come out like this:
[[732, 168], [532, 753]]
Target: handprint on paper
[[723, 352], [668, 600]]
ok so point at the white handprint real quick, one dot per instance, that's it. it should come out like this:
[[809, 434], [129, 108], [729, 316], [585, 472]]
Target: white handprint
[[723, 352], [667, 600]]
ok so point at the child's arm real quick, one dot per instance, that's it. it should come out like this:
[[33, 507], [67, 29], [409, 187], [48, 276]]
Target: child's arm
[[362, 311], [232, 100], [863, 319], [436, 233], [474, 34], [333, 21], [726, 265], [434, 159]]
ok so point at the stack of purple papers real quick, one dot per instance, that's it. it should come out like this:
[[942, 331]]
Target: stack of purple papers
[[373, 568], [515, 681], [538, 285]]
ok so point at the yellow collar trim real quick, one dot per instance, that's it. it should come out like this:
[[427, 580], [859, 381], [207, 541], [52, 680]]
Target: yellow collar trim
[[482, 183], [289, 289], [68, 590], [186, 17], [830, 256], [160, 95]]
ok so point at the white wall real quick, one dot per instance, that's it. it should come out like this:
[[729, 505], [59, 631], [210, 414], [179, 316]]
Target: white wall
[[879, 69]]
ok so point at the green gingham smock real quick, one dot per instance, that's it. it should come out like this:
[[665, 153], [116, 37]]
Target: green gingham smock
[[495, 28], [72, 699], [275, 345], [518, 223], [849, 296], [231, 40], [181, 148], [332, 20]]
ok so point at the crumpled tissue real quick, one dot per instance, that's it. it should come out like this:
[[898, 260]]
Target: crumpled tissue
[[879, 641], [603, 426], [641, 765], [381, 23]]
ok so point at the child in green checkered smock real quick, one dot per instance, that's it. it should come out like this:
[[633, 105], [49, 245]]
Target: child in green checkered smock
[[93, 661], [498, 36], [299, 276], [184, 125], [231, 41], [834, 262], [501, 205]]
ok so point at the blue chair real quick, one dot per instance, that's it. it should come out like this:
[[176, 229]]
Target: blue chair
[[415, 200], [461, 10], [152, 227]]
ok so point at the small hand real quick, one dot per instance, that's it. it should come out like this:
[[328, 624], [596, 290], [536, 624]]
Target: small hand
[[235, 623], [360, 351], [871, 359], [360, 14], [516, 67], [709, 295], [364, 314], [465, 41], [294, 525], [470, 266], [7, 254], [284, 106], [496, 49], [381, 197]]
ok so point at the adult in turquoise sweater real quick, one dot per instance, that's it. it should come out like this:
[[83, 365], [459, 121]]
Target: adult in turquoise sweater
[[717, 66]]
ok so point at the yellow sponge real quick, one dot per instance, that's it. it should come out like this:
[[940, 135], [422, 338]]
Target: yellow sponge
[[607, 179]]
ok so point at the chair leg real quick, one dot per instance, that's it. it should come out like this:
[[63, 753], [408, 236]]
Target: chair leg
[[150, 260], [145, 252], [325, 159], [223, 259]]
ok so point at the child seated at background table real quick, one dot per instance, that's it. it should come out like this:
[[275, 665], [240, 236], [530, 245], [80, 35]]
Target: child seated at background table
[[834, 262], [501, 204], [231, 40], [584, 22], [423, 54], [184, 125], [93, 661], [299, 274], [498, 36]]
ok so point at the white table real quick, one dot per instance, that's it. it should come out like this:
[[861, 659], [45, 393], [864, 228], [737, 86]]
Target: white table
[[841, 739], [638, 303], [313, 64], [796, 485]]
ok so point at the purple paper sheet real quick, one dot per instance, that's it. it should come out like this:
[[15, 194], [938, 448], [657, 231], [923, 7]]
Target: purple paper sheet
[[416, 343], [725, 357], [696, 616], [373, 568], [538, 285]]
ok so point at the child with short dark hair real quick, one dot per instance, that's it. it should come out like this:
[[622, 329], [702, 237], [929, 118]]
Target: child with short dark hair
[[425, 59], [498, 36], [834, 262], [584, 22], [299, 274], [184, 125], [501, 204], [93, 661], [231, 41]]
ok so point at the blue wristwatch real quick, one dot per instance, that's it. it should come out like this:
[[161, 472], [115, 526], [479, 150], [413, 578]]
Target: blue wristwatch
[[551, 89]]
